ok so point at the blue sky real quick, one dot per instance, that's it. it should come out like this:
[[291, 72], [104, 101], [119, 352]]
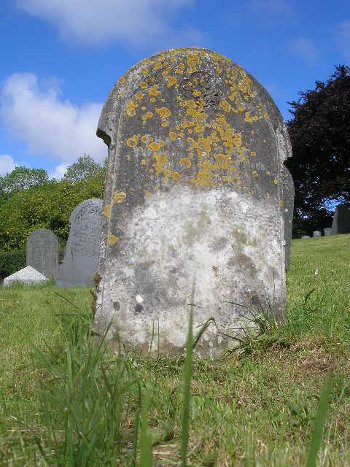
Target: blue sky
[[60, 59]]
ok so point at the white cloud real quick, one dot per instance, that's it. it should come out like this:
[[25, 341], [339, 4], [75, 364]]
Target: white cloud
[[343, 36], [7, 164], [35, 114], [305, 49], [58, 171], [136, 22]]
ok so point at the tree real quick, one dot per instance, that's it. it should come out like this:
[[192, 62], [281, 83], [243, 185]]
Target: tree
[[84, 168], [22, 178], [320, 137]]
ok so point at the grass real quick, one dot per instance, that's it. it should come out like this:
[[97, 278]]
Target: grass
[[64, 401]]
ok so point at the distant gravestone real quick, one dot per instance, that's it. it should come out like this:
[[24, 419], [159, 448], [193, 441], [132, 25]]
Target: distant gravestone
[[327, 231], [341, 220], [317, 233], [304, 237], [42, 252], [25, 276], [196, 193], [80, 261]]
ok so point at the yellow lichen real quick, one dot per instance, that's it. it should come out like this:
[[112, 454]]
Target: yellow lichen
[[172, 135], [155, 146], [161, 161], [119, 197], [147, 116], [132, 142], [163, 112], [185, 162], [170, 81], [225, 106], [154, 92], [107, 211], [275, 181], [131, 108], [146, 139], [112, 239]]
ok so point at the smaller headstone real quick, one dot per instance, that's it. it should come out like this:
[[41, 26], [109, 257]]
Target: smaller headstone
[[317, 233], [42, 252], [80, 261], [327, 231], [304, 237], [341, 220], [25, 276]]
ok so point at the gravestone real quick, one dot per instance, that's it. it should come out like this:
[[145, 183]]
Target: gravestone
[[304, 237], [317, 233], [195, 195], [80, 261], [42, 252], [341, 220], [25, 276], [327, 231], [288, 206]]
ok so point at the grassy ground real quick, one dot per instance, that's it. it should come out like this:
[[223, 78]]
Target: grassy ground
[[253, 408]]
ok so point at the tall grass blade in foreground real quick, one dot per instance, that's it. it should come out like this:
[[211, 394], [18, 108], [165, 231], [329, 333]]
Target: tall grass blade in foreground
[[316, 438], [82, 399], [187, 387], [145, 438]]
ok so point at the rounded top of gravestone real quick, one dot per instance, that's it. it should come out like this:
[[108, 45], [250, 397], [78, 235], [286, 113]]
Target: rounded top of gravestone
[[47, 233], [197, 76], [89, 206]]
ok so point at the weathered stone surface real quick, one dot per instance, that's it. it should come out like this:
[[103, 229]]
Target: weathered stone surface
[[341, 220], [194, 194], [82, 250], [42, 252], [327, 231], [25, 276], [317, 233], [288, 206]]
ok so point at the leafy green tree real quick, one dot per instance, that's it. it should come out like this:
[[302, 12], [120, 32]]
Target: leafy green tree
[[47, 206], [22, 178], [320, 136], [84, 168]]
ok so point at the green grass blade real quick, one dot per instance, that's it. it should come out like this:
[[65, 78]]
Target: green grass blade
[[187, 387], [316, 438], [145, 438]]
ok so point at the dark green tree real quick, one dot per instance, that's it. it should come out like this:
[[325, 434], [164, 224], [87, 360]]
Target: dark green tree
[[320, 136], [84, 168]]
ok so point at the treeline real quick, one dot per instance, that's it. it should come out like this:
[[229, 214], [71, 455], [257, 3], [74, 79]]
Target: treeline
[[29, 200]]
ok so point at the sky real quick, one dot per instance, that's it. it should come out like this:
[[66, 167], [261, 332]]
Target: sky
[[59, 59]]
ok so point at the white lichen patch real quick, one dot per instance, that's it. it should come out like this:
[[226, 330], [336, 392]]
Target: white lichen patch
[[227, 244]]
